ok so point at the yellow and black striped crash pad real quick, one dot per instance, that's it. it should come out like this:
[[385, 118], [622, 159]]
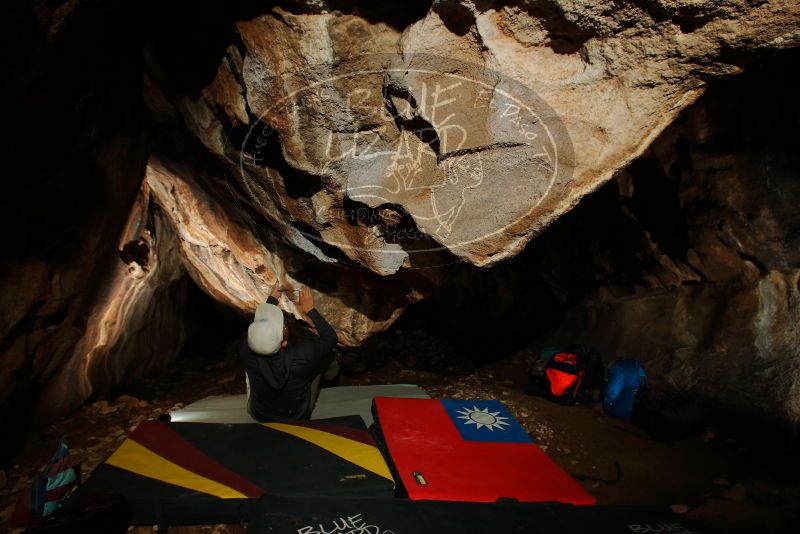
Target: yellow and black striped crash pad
[[199, 473]]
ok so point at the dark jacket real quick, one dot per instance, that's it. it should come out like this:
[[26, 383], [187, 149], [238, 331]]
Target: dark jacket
[[279, 384]]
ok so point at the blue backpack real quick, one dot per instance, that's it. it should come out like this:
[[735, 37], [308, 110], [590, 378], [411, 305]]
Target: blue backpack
[[625, 378]]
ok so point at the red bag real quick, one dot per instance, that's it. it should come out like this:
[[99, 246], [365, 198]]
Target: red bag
[[563, 377]]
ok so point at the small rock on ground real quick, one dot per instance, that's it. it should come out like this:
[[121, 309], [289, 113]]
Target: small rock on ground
[[735, 493], [680, 508], [707, 436]]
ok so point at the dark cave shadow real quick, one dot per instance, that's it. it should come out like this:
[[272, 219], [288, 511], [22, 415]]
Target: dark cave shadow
[[71, 103], [260, 144], [399, 14], [188, 39]]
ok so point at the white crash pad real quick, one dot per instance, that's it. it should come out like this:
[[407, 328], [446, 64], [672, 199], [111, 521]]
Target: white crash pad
[[216, 409], [332, 402], [357, 400]]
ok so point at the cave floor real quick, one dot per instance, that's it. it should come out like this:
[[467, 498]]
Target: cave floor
[[717, 477]]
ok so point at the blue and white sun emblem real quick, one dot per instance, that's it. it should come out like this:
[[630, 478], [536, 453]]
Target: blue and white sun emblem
[[483, 418]]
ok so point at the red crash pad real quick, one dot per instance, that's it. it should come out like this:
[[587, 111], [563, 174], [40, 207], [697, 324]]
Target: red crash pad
[[468, 451]]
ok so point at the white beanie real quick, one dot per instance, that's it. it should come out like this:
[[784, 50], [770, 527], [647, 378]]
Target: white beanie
[[265, 334]]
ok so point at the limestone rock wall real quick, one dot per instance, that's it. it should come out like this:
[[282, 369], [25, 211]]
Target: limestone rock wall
[[477, 125], [340, 137], [403, 147], [135, 322], [372, 151], [689, 259], [73, 160], [237, 269]]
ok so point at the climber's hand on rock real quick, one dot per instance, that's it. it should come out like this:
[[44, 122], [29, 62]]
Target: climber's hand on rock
[[276, 291], [306, 300]]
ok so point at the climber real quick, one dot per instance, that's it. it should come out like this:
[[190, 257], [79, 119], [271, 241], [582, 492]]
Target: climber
[[283, 369]]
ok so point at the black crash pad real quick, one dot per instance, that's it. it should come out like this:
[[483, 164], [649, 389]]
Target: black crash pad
[[309, 515]]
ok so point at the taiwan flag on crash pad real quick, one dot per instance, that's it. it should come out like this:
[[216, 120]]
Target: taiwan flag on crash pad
[[485, 420], [474, 450]]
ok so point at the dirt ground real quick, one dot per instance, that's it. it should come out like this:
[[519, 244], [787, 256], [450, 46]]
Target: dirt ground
[[719, 478]]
